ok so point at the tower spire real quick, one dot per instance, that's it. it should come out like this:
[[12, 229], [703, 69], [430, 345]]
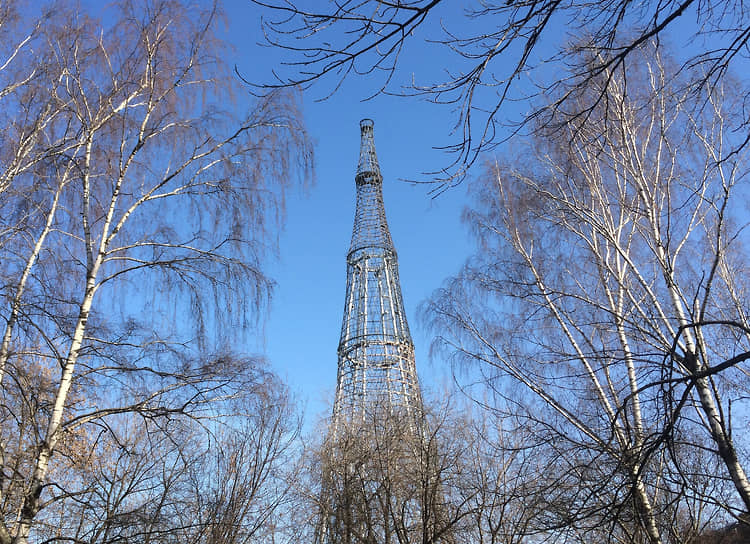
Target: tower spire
[[368, 169], [370, 226]]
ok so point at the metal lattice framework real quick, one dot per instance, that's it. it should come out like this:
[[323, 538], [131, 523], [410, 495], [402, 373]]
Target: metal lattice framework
[[378, 478], [376, 354]]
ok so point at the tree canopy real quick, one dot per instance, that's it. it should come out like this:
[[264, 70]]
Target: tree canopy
[[492, 57]]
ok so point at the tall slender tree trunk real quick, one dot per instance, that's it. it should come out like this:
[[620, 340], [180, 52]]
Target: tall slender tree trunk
[[32, 500]]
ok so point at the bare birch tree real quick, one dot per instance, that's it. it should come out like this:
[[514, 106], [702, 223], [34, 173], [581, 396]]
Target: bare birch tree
[[220, 482], [138, 220], [462, 481], [386, 478], [381, 482], [607, 304]]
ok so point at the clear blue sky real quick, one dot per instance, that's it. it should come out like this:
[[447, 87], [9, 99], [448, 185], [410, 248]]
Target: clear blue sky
[[303, 328]]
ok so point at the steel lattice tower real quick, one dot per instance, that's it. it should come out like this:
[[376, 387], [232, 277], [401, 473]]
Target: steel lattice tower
[[376, 353], [378, 484]]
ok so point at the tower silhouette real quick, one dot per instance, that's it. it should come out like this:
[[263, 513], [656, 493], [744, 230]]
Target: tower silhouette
[[378, 479], [376, 353]]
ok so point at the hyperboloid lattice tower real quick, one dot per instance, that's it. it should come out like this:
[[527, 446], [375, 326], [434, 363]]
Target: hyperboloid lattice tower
[[378, 481], [376, 354]]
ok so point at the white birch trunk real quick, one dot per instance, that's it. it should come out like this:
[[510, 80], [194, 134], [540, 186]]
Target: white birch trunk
[[47, 447], [94, 256], [15, 307]]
